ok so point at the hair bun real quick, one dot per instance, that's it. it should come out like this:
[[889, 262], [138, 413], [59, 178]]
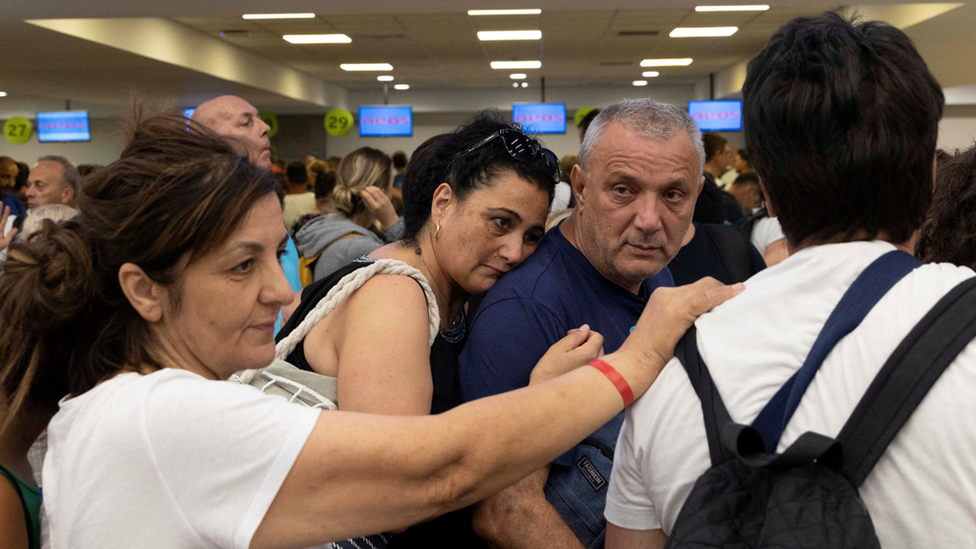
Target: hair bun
[[54, 267]]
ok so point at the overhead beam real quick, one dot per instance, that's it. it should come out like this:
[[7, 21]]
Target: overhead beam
[[170, 42]]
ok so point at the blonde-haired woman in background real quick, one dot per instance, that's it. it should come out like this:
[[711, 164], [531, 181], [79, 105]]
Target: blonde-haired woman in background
[[363, 219]]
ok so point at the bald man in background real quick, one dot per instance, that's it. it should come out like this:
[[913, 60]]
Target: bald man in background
[[231, 116]]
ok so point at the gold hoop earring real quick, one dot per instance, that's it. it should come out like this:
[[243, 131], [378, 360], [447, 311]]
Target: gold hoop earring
[[437, 230]]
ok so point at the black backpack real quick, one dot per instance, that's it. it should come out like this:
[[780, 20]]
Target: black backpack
[[807, 496]]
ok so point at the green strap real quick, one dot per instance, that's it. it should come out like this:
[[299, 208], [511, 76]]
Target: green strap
[[31, 542]]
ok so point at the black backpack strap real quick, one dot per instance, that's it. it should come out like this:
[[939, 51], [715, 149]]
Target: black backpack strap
[[713, 409], [905, 378], [733, 247]]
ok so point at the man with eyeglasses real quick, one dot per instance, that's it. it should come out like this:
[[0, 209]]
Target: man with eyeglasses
[[639, 176]]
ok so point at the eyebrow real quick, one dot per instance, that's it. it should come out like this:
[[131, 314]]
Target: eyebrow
[[517, 217], [257, 247]]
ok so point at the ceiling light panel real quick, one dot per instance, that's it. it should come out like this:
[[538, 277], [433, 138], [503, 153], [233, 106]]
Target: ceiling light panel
[[487, 36], [366, 67], [317, 38], [505, 12], [517, 76], [702, 32], [401, 87], [757, 7], [385, 78], [650, 74], [639, 83], [516, 64], [666, 62], [279, 16]]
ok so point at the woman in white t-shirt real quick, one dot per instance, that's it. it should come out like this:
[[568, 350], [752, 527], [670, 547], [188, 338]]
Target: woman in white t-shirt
[[169, 281]]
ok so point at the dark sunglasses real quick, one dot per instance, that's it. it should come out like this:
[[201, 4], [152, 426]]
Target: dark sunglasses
[[519, 146]]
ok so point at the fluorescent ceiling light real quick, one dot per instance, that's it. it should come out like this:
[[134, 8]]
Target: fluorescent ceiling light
[[514, 84], [401, 87], [366, 67], [517, 76], [699, 32], [317, 38], [486, 36], [640, 82], [525, 84], [666, 62], [385, 78], [650, 74], [516, 64], [505, 12], [732, 8], [279, 16], [3, 94]]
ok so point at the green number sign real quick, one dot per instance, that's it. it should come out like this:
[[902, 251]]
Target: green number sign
[[270, 119], [580, 113], [18, 130], [338, 122]]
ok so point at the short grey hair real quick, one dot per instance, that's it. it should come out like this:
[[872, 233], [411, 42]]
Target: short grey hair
[[647, 118], [69, 173]]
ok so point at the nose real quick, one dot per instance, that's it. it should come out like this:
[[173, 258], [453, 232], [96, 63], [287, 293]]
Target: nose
[[512, 250], [277, 290], [265, 128], [647, 218]]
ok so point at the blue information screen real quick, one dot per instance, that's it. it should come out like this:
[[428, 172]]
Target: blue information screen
[[188, 113], [385, 121], [63, 126], [540, 117], [716, 116]]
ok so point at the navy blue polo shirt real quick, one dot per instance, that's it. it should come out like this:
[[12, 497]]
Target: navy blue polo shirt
[[555, 290]]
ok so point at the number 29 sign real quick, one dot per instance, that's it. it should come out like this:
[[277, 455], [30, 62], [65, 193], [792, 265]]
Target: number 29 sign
[[338, 122], [18, 130]]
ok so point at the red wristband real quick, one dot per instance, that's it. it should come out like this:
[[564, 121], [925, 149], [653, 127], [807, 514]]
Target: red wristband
[[618, 380]]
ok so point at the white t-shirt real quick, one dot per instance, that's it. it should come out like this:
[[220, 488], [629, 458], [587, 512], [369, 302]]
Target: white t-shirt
[[921, 493], [297, 205], [168, 460], [765, 232], [561, 197]]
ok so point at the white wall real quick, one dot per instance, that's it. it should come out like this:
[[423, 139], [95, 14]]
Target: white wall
[[957, 130], [107, 142]]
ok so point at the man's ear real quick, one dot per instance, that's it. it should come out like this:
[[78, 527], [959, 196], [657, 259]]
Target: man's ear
[[67, 195], [701, 185], [769, 204], [146, 295], [441, 202], [577, 180]]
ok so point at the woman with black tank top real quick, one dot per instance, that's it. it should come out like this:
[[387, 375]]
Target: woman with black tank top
[[475, 205]]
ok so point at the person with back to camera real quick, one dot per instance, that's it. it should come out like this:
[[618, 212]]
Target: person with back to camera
[[363, 220], [299, 199], [122, 320], [475, 207], [844, 204], [949, 232]]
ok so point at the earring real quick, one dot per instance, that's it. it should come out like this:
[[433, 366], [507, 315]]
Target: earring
[[437, 230]]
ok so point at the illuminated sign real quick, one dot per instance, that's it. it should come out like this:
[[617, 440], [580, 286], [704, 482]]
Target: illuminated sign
[[716, 116], [384, 121], [540, 117], [188, 113], [63, 126]]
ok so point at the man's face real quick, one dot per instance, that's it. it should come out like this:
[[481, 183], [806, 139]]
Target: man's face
[[44, 185], [637, 197], [725, 158], [8, 175], [232, 116]]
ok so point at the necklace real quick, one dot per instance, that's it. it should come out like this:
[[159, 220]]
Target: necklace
[[446, 299]]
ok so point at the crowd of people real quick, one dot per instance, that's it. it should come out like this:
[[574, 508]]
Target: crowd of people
[[203, 345]]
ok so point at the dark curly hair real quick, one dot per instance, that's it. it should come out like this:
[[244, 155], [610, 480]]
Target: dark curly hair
[[949, 232], [475, 170]]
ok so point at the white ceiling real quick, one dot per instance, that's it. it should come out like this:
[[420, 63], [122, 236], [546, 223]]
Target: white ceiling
[[432, 45]]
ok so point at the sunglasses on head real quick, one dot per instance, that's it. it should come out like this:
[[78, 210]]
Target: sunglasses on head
[[519, 146]]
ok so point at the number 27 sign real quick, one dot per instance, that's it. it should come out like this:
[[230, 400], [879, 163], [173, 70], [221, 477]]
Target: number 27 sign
[[18, 130]]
